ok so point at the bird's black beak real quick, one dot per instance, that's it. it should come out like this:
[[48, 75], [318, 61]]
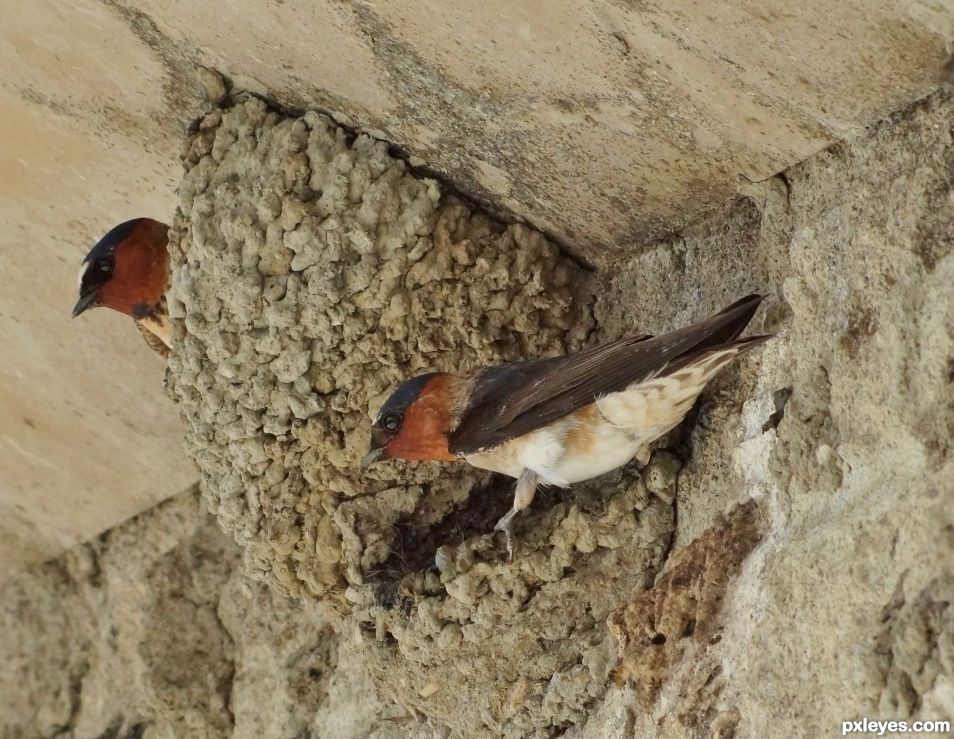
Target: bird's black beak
[[380, 438], [373, 455], [84, 303]]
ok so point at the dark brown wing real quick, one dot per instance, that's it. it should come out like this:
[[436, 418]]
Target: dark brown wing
[[155, 343], [517, 398]]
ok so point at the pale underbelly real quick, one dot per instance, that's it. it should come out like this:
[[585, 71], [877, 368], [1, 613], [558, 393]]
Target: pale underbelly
[[607, 448], [605, 456]]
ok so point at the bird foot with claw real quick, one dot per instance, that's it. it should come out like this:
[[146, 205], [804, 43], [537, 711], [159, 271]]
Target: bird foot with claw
[[505, 525]]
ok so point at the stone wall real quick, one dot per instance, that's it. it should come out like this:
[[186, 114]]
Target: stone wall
[[785, 560], [154, 630]]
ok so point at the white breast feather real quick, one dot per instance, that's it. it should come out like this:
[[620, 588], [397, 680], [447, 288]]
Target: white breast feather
[[82, 273], [543, 450]]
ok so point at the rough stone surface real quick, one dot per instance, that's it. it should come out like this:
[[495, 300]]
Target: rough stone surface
[[838, 431], [843, 437], [154, 631], [606, 123], [682, 608]]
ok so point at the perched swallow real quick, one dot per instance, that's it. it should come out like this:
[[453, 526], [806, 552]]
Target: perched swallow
[[128, 271], [561, 420]]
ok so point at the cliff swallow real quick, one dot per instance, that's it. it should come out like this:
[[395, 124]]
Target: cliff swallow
[[128, 271], [565, 419]]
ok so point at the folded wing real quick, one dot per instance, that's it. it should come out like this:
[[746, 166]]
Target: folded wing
[[516, 398]]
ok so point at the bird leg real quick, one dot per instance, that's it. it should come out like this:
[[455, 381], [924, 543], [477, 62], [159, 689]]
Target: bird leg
[[522, 497]]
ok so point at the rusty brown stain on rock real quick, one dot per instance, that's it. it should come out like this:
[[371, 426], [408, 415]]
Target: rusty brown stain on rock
[[862, 325], [683, 605]]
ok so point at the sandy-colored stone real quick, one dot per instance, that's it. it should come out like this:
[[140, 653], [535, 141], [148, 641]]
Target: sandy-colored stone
[[154, 631], [840, 428], [605, 123]]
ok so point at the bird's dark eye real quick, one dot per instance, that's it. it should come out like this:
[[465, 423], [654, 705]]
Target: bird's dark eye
[[106, 264], [392, 421]]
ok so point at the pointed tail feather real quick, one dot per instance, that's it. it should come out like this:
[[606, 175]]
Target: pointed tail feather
[[721, 332], [731, 322]]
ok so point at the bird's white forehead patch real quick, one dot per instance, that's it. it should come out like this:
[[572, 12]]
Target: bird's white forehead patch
[[82, 273]]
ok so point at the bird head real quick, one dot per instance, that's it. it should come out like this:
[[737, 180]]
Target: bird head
[[415, 421], [127, 270]]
